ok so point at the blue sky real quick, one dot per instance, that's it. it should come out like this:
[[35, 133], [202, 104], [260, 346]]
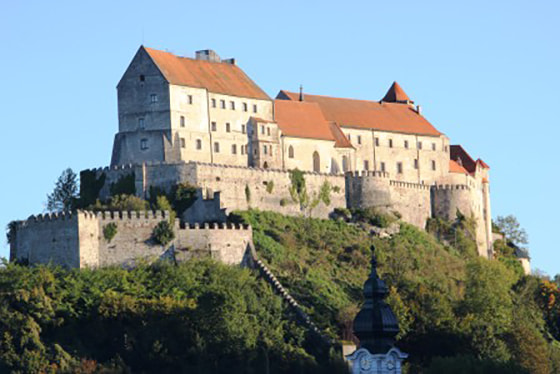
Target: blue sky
[[486, 74]]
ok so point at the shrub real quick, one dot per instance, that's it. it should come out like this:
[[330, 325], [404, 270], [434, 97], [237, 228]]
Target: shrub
[[125, 185], [163, 233], [90, 186], [374, 217], [283, 202], [109, 231], [123, 203]]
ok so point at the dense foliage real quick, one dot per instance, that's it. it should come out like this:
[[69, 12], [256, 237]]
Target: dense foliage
[[65, 192]]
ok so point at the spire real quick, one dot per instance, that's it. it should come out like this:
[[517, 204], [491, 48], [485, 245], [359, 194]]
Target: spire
[[375, 325], [396, 95], [300, 92]]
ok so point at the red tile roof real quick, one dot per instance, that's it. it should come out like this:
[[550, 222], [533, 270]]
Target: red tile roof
[[217, 77], [302, 120], [482, 163], [341, 141], [396, 95], [459, 154], [455, 167], [368, 114]]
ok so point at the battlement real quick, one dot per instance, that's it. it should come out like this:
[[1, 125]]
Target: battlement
[[451, 187], [142, 215], [409, 185], [216, 226], [366, 173]]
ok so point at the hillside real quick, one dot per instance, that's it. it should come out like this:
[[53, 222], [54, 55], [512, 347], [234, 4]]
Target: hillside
[[457, 312]]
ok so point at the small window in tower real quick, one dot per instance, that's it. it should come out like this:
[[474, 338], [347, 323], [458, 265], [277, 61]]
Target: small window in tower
[[182, 121], [360, 140], [214, 127], [142, 78], [228, 127], [366, 165], [390, 143], [377, 142], [268, 131], [234, 149], [406, 144], [141, 124], [382, 167], [433, 165], [415, 163], [198, 144], [183, 145], [243, 129], [153, 98], [399, 168], [217, 147], [254, 108], [291, 152], [190, 99], [433, 146], [245, 107], [213, 103], [445, 148], [144, 144], [419, 145], [223, 104], [232, 105]]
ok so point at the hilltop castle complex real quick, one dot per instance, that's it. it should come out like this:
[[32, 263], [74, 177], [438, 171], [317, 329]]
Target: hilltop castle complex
[[204, 121]]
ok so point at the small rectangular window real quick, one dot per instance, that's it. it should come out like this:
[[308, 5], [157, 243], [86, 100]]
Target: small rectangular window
[[214, 127], [360, 140], [141, 123], [382, 167], [182, 121], [399, 168], [232, 105], [390, 143], [223, 104], [262, 129], [445, 148], [419, 145], [144, 144], [268, 131], [153, 98], [377, 142], [217, 147], [264, 150], [406, 144], [366, 165], [183, 145], [433, 165], [243, 130], [348, 136], [190, 99], [228, 127], [213, 103], [198, 144], [415, 163], [234, 149], [242, 150], [245, 107], [254, 108], [433, 146]]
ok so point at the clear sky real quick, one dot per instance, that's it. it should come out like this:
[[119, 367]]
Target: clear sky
[[485, 72]]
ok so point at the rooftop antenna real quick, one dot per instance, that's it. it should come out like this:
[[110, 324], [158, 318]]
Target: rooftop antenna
[[300, 92]]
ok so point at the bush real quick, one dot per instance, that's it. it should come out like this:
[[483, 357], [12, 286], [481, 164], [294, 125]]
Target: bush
[[283, 202], [163, 233], [124, 203], [109, 231], [125, 185], [374, 217]]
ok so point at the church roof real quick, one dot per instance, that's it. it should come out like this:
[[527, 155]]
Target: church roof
[[396, 95], [385, 116], [305, 120], [218, 77]]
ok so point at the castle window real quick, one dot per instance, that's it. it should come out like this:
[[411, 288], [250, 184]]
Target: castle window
[[182, 121], [399, 168], [382, 167], [268, 131], [183, 145], [415, 163], [214, 127], [190, 99], [348, 135], [262, 129], [232, 105], [291, 152], [142, 78], [245, 107], [265, 150], [406, 144], [243, 130], [419, 145], [141, 123], [433, 165], [228, 127], [217, 147], [433, 146], [359, 139], [445, 148], [390, 143], [153, 98], [377, 142], [144, 144], [198, 144], [223, 104], [254, 108], [242, 149], [234, 149], [366, 165], [213, 103]]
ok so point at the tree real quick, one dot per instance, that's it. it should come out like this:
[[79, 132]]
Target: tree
[[512, 230], [65, 192]]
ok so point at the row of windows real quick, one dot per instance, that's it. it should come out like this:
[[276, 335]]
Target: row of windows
[[214, 127], [244, 106], [399, 166], [390, 143]]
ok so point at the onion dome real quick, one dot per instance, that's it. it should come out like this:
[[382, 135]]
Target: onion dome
[[376, 325]]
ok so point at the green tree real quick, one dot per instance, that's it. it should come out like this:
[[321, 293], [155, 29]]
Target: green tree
[[512, 230], [65, 192]]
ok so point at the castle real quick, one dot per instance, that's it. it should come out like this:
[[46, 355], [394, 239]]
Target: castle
[[203, 121]]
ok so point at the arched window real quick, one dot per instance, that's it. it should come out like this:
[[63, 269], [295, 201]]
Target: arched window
[[316, 162], [291, 152]]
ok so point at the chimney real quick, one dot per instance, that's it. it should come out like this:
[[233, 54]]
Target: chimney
[[300, 92], [207, 55], [230, 61], [418, 109]]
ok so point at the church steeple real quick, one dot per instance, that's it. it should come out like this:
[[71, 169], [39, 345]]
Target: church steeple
[[396, 95]]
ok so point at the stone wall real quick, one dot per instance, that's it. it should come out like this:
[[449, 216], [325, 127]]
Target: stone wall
[[412, 201]]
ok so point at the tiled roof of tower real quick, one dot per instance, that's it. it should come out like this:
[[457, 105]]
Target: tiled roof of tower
[[364, 114], [217, 77], [455, 167], [302, 120], [396, 94]]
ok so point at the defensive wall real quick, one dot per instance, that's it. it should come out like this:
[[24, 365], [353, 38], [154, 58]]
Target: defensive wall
[[77, 240]]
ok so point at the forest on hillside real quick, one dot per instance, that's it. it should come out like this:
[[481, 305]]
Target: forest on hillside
[[457, 312]]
